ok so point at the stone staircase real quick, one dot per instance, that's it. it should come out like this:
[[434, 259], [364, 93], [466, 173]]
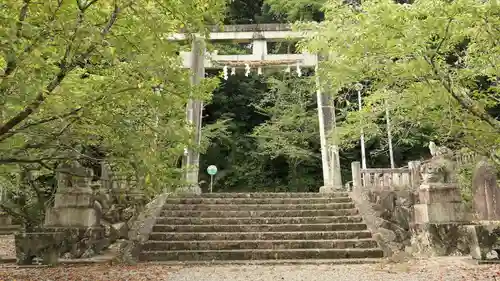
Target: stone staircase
[[260, 226]]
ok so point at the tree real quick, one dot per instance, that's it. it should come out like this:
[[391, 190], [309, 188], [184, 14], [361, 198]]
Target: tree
[[297, 10], [433, 64], [292, 130], [97, 75]]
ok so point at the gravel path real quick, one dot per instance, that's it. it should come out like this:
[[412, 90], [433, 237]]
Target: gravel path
[[442, 269]]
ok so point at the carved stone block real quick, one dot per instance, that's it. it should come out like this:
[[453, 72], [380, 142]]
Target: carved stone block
[[74, 198], [440, 213], [72, 217], [439, 193]]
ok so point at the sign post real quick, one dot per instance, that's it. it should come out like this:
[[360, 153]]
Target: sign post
[[212, 170]]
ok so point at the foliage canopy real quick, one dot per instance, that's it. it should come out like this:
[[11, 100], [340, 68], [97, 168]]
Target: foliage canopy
[[97, 74], [432, 63]]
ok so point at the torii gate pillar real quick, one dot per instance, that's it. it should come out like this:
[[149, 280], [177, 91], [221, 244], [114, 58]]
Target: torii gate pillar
[[194, 111]]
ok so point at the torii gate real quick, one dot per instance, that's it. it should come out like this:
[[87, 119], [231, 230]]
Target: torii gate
[[258, 34]]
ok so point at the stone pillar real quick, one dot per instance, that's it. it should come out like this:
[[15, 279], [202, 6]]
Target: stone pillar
[[322, 132], [5, 219], [194, 117], [356, 175], [335, 176]]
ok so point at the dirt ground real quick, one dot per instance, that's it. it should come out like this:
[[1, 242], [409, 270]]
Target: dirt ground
[[439, 269]]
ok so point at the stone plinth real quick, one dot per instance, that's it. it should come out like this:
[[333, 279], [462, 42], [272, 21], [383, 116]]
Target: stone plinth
[[440, 213], [330, 189], [43, 245], [77, 197], [71, 217], [439, 193], [72, 227], [73, 208], [49, 243], [440, 203], [439, 220]]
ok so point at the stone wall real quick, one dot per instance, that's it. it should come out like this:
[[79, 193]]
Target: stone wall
[[421, 215], [388, 216], [140, 229]]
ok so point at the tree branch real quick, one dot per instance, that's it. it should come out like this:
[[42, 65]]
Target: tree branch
[[463, 99], [64, 69], [445, 37], [31, 161], [105, 31], [85, 6], [468, 104], [35, 104], [11, 56], [38, 39], [64, 115], [48, 139], [40, 122]]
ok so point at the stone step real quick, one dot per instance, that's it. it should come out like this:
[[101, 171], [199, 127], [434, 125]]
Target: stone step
[[272, 200], [271, 262], [254, 220], [259, 227], [274, 213], [261, 254], [258, 244], [307, 235], [264, 195], [257, 207]]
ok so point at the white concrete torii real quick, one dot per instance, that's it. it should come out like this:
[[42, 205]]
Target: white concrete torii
[[198, 60]]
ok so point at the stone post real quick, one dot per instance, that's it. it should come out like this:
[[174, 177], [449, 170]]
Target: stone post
[[414, 167], [356, 175], [106, 176]]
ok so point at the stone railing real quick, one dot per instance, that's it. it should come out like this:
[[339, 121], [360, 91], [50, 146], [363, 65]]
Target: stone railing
[[386, 178], [460, 157]]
